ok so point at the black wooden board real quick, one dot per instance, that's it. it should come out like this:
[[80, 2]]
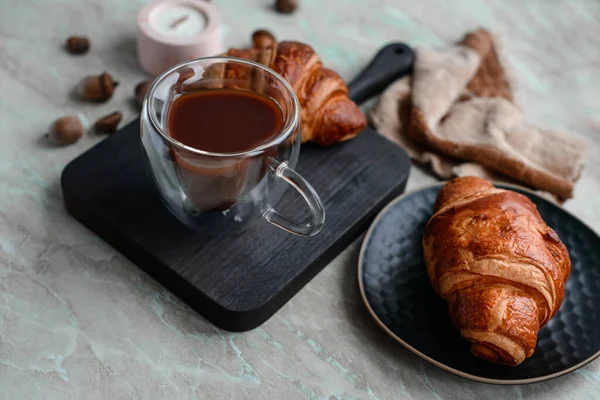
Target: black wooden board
[[237, 280]]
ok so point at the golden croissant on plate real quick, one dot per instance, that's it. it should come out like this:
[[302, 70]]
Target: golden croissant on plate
[[501, 269], [328, 116]]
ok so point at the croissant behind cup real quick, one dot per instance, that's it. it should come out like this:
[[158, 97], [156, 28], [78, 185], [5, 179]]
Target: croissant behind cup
[[501, 269], [328, 115]]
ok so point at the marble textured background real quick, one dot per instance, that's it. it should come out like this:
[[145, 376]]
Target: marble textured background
[[79, 321]]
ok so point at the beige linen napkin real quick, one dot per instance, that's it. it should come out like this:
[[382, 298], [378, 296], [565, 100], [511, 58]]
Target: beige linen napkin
[[456, 113]]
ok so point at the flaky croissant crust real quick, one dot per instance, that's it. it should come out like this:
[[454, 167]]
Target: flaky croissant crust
[[328, 116], [501, 269]]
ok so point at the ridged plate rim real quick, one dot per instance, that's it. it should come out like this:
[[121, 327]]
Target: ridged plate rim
[[417, 352]]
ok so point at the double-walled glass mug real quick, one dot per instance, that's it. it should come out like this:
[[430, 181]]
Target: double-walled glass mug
[[200, 187]]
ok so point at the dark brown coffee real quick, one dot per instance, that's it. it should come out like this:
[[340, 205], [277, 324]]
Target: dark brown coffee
[[224, 120]]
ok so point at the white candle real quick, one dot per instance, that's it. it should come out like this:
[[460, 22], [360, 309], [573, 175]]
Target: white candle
[[177, 20], [172, 31]]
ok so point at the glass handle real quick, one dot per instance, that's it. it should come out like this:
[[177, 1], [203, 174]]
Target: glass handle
[[282, 171]]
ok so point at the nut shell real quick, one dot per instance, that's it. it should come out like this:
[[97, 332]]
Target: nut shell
[[65, 130], [97, 87], [109, 123], [140, 91], [77, 44], [286, 6]]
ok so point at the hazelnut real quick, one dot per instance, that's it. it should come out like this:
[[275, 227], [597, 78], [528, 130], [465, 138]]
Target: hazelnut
[[97, 87], [262, 38], [78, 44], [108, 123], [140, 91], [286, 6], [65, 130]]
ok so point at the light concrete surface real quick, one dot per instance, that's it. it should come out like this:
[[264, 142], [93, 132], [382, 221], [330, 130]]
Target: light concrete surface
[[79, 321]]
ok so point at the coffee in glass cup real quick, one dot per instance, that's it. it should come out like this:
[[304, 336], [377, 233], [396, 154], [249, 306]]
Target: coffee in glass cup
[[222, 135]]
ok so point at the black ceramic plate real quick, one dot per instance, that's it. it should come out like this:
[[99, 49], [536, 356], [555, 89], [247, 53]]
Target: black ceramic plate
[[397, 293]]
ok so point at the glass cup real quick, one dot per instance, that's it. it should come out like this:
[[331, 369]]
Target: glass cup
[[202, 188]]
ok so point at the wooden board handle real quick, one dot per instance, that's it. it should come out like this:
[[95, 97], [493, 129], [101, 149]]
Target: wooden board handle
[[391, 63]]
